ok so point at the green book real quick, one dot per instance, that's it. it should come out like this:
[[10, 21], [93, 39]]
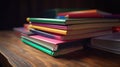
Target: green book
[[50, 52], [47, 20], [69, 21], [37, 46]]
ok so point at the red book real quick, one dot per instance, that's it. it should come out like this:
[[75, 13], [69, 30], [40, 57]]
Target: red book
[[93, 13]]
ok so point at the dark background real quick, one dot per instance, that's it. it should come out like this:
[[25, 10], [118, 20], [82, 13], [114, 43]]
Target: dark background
[[14, 12]]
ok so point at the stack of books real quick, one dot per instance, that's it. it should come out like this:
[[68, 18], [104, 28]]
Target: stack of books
[[58, 36]]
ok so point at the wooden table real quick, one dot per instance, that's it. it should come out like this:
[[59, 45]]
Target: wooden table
[[18, 54]]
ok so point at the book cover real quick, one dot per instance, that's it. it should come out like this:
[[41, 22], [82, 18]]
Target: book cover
[[49, 52], [85, 14], [54, 44], [69, 21]]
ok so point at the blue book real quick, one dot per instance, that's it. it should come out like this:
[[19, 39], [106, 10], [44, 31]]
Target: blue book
[[42, 33]]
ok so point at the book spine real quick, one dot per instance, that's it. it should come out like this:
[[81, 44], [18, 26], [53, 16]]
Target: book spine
[[51, 30], [43, 49], [47, 20]]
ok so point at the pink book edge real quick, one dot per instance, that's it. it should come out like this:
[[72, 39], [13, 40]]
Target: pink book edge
[[49, 40], [51, 26]]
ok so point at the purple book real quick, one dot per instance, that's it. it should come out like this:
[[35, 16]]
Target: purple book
[[21, 30], [110, 43]]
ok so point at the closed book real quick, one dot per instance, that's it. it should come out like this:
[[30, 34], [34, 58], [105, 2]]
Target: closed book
[[62, 27], [52, 13], [54, 44], [92, 13], [69, 21], [50, 52], [78, 36], [82, 21], [72, 35], [74, 27], [110, 43], [116, 16], [21, 30]]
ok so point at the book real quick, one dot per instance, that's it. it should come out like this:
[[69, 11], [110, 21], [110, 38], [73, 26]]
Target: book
[[73, 27], [49, 52], [62, 27], [78, 36], [91, 13], [51, 30], [52, 13], [72, 35], [107, 49], [69, 21], [113, 16], [21, 30], [53, 44], [110, 43]]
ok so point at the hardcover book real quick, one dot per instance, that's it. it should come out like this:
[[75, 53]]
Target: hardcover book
[[92, 13], [21, 30], [52, 13], [69, 21], [53, 44], [49, 52], [66, 27], [110, 43], [73, 35]]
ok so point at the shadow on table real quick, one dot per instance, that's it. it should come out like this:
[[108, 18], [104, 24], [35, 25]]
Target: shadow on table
[[90, 53]]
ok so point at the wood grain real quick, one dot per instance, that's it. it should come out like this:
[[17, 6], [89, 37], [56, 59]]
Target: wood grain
[[20, 55]]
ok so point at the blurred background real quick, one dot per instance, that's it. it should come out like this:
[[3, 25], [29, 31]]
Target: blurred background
[[13, 13]]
